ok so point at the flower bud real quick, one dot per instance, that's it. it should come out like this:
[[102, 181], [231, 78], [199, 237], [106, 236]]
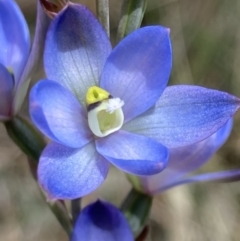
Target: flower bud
[[52, 7]]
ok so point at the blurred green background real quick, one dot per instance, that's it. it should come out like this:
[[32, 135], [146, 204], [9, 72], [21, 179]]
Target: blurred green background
[[206, 51]]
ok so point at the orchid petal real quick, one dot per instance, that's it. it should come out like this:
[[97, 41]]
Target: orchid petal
[[133, 153], [223, 176], [76, 49], [34, 62], [58, 114], [6, 91], [189, 158], [14, 37], [138, 69], [101, 221], [185, 115], [186, 159], [66, 173]]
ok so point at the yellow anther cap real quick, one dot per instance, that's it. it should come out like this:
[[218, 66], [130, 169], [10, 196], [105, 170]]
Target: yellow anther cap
[[96, 94]]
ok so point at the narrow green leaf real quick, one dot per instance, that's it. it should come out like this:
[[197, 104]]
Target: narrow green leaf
[[102, 7], [131, 17], [31, 142], [25, 136]]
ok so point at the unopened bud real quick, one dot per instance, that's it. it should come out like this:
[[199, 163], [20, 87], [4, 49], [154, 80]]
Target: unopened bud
[[53, 7]]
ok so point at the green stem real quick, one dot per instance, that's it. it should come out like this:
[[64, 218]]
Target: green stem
[[31, 142], [103, 14], [59, 209], [75, 209], [136, 208]]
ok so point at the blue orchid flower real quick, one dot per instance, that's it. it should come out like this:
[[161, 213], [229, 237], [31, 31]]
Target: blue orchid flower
[[102, 106], [185, 160], [14, 52], [101, 221]]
